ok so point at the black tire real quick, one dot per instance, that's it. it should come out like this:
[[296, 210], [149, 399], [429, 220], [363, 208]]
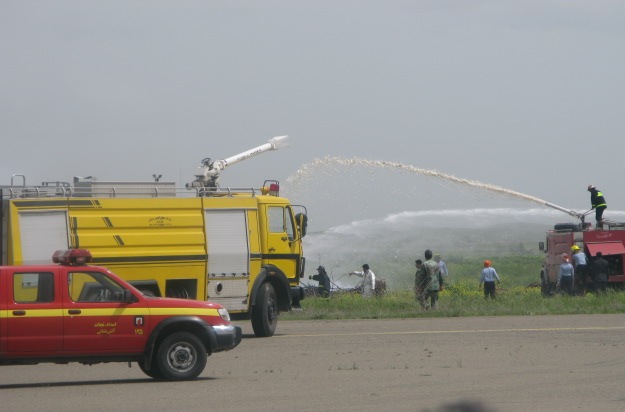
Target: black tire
[[153, 372], [265, 312], [181, 356]]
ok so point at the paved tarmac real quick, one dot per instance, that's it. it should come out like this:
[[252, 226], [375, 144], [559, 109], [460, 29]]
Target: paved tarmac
[[532, 363]]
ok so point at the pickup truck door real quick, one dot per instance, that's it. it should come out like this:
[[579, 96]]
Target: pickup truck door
[[97, 321], [34, 314]]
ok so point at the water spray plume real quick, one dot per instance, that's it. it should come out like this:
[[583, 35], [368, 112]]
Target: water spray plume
[[314, 166]]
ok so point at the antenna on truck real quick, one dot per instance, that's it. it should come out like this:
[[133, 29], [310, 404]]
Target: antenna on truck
[[207, 175]]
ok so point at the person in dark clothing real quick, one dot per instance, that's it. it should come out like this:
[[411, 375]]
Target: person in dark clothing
[[432, 281], [323, 289], [597, 201], [600, 273], [419, 283]]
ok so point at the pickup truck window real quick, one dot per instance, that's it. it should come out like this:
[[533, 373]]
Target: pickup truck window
[[93, 287], [32, 287]]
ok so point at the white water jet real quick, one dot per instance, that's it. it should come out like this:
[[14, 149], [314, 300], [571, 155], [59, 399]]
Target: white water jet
[[337, 190], [312, 168]]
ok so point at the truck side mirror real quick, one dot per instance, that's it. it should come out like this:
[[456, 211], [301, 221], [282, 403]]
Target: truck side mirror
[[302, 223], [541, 246]]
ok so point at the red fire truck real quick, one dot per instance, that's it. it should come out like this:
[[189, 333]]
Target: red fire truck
[[75, 312], [609, 240]]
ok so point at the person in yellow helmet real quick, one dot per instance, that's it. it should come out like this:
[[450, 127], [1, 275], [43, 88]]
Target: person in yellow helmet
[[580, 263]]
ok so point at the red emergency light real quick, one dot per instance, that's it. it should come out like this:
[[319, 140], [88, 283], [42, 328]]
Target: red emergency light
[[273, 189], [72, 257]]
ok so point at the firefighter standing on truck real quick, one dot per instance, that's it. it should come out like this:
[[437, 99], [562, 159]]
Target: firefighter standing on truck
[[597, 201]]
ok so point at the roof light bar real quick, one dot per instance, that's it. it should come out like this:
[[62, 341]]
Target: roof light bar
[[72, 257]]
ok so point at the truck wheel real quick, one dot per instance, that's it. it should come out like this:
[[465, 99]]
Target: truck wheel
[[153, 372], [265, 312], [181, 356]]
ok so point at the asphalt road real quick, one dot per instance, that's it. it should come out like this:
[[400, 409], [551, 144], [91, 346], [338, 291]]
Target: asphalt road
[[534, 363]]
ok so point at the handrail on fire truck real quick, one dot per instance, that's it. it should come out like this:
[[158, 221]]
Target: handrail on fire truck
[[205, 183], [140, 190]]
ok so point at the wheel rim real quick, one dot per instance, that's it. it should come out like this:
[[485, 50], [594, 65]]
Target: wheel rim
[[181, 357], [271, 309]]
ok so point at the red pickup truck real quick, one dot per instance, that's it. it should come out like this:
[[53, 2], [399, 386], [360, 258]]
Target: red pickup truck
[[74, 312]]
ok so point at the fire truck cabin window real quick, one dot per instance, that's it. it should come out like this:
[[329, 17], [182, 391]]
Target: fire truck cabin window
[[290, 228], [276, 219]]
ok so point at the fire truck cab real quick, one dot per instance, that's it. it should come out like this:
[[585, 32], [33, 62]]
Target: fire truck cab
[[74, 312]]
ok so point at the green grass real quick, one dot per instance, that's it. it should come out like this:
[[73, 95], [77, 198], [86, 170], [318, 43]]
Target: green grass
[[402, 304], [463, 297]]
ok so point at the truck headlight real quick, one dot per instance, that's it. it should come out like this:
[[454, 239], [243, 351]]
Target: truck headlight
[[223, 312]]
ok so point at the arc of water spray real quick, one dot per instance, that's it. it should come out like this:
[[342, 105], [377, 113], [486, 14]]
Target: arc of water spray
[[316, 163]]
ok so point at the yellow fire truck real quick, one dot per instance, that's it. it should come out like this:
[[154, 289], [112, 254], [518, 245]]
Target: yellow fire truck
[[241, 248]]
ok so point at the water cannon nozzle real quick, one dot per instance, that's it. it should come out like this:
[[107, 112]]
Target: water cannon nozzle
[[279, 142]]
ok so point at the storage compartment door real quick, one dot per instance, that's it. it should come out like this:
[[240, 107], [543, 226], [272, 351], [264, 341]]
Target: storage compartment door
[[228, 248], [42, 233]]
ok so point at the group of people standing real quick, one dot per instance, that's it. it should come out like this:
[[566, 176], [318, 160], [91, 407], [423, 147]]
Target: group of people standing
[[431, 276], [573, 275], [429, 279]]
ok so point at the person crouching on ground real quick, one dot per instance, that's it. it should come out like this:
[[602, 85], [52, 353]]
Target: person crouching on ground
[[368, 281], [323, 289], [488, 278]]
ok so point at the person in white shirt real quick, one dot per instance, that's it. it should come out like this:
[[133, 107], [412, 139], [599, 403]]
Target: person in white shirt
[[368, 280]]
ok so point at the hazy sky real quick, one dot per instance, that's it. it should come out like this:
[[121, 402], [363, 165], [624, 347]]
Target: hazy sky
[[528, 95]]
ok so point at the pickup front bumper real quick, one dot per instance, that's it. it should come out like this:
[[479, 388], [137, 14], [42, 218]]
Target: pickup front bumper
[[224, 337]]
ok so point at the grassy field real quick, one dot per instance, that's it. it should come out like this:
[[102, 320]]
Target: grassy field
[[516, 295]]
